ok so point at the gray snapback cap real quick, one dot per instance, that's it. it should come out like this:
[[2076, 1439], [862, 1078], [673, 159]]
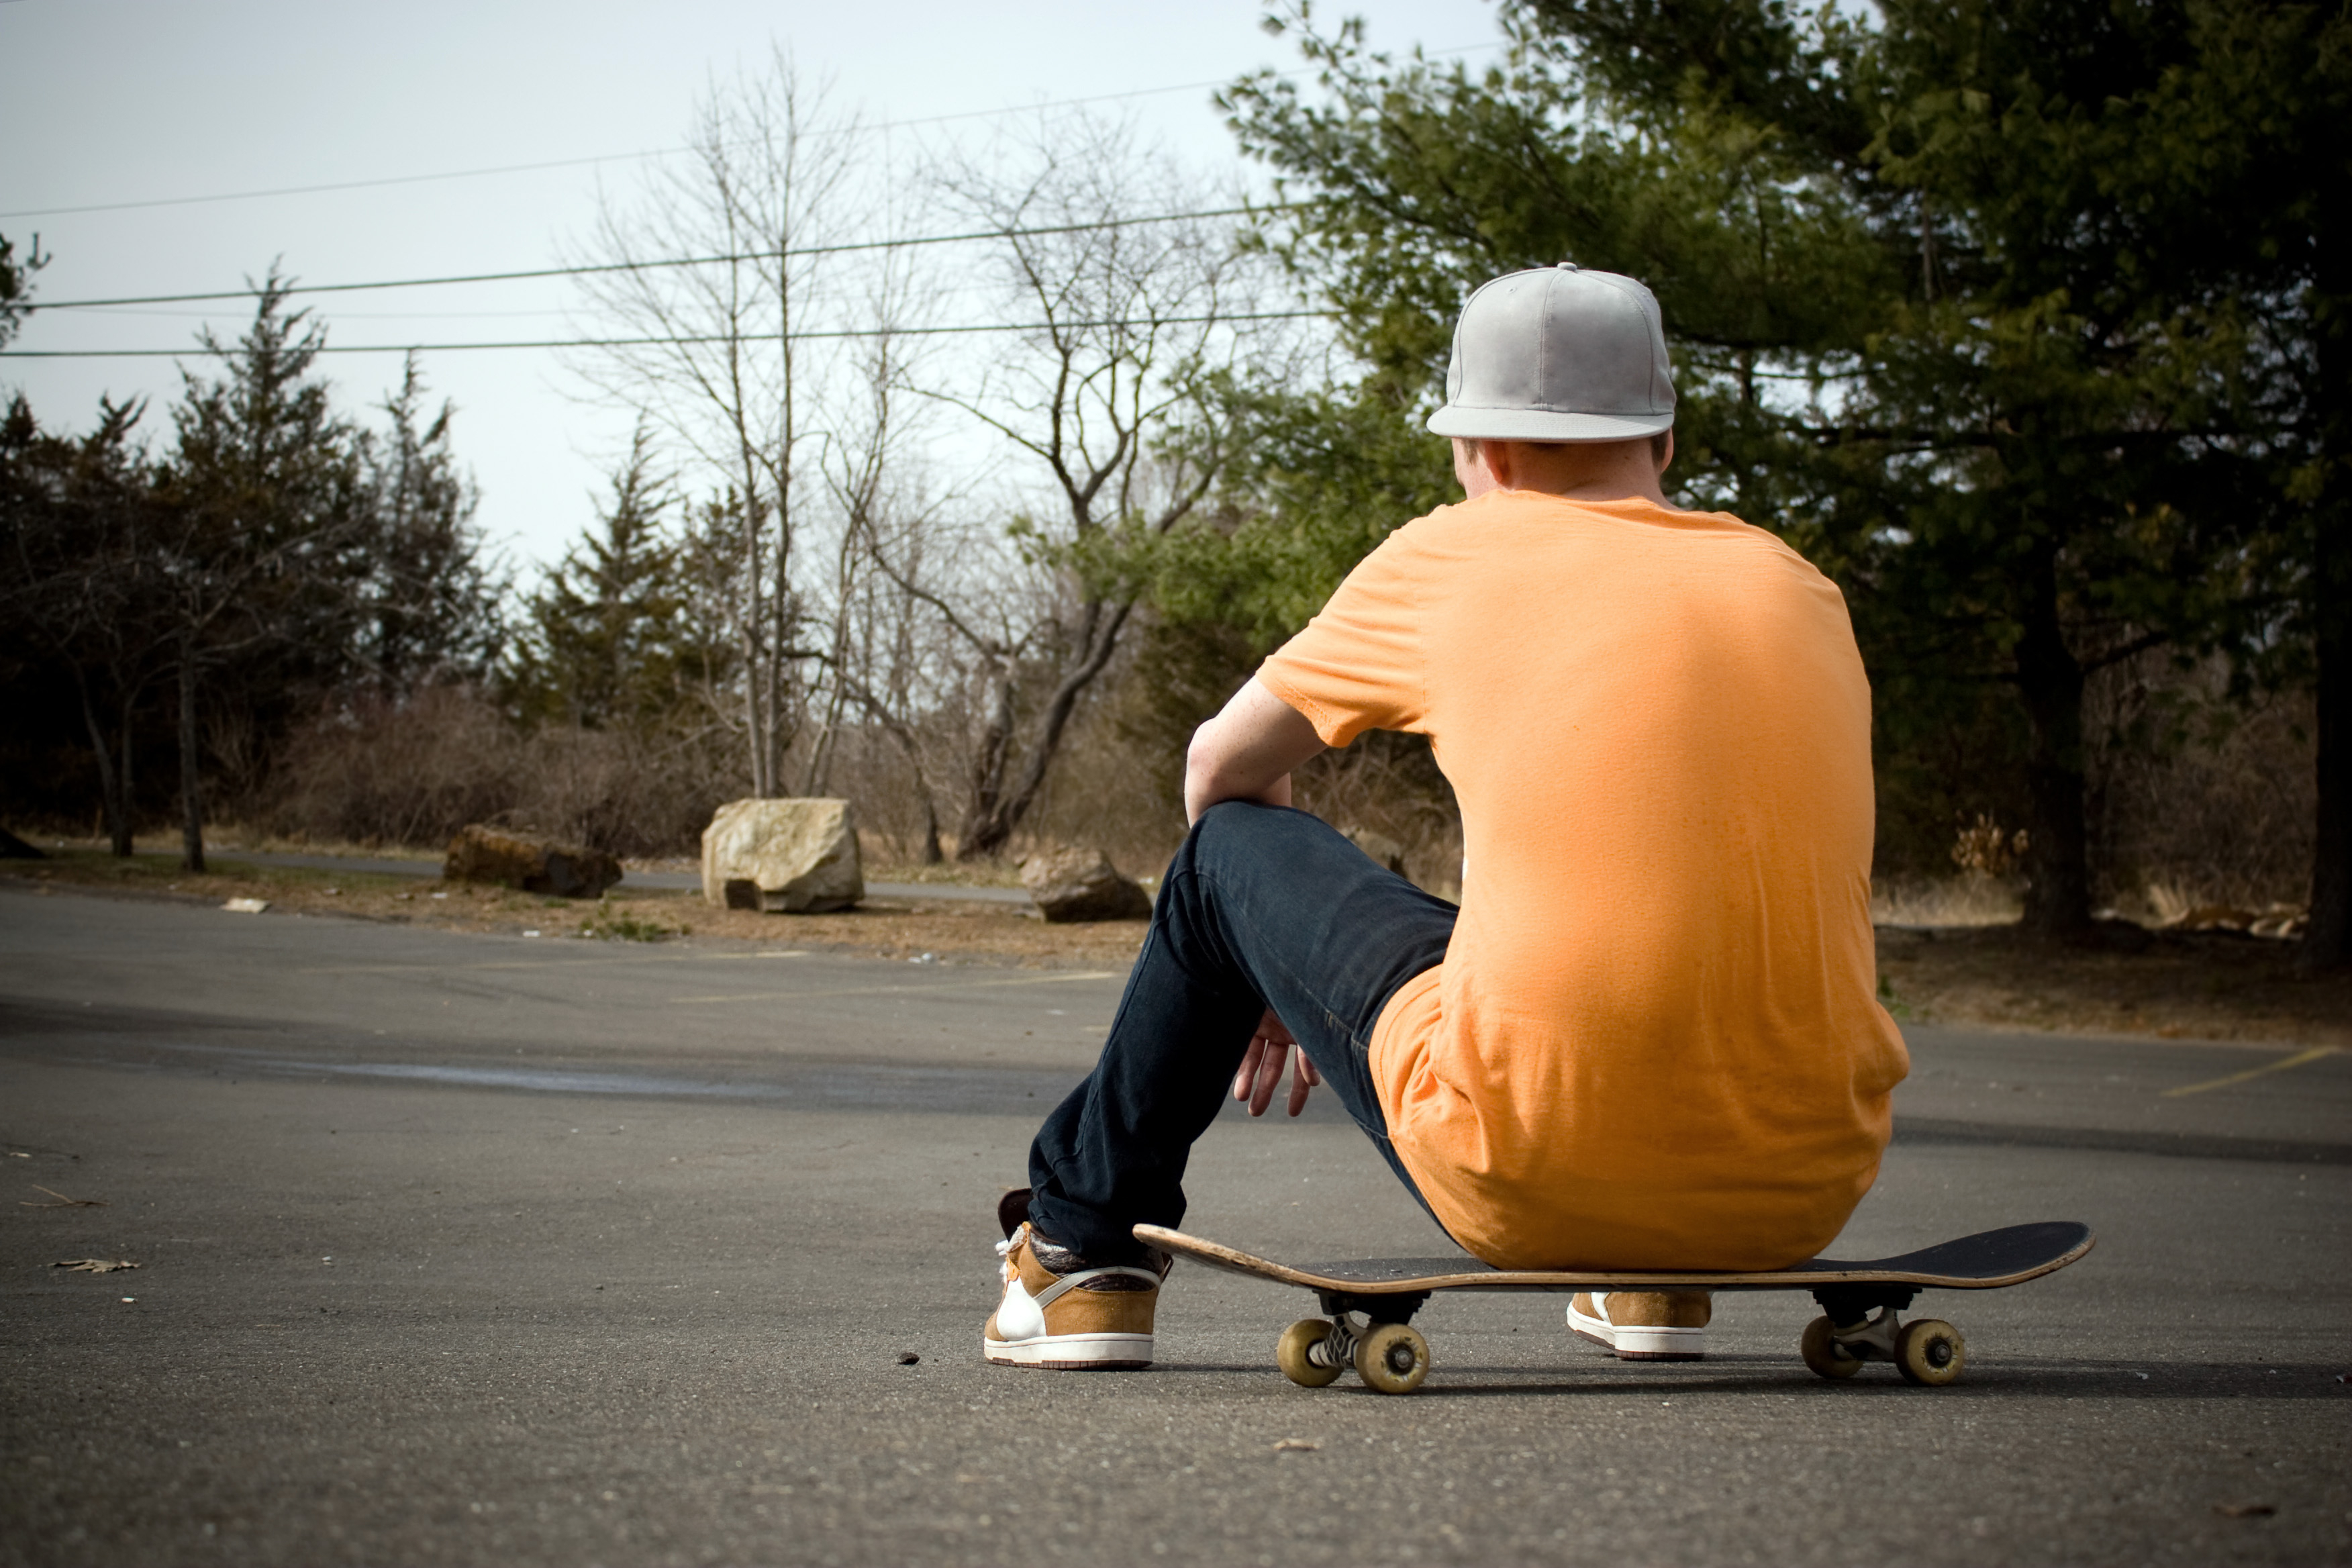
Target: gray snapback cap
[[1557, 353]]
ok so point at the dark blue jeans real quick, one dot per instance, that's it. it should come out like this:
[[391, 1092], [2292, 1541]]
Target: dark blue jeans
[[1262, 906]]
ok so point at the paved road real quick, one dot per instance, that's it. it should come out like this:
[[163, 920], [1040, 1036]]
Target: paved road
[[464, 1250], [671, 881]]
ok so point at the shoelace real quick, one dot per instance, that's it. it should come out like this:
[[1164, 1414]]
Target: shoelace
[[1004, 1251]]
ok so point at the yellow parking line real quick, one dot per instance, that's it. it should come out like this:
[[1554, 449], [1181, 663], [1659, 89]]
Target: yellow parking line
[[2312, 1055], [894, 990]]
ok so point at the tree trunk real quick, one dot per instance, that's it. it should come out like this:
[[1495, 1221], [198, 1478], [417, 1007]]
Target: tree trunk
[[2050, 679], [126, 826], [985, 827], [996, 828], [818, 774], [192, 799], [109, 792], [2327, 939], [931, 854], [755, 724]]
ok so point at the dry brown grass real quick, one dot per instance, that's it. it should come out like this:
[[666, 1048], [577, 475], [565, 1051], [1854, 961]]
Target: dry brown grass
[[2206, 985], [961, 930], [415, 774], [2195, 791], [1954, 901]]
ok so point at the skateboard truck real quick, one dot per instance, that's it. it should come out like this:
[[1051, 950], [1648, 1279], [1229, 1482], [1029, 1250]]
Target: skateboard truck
[[1925, 1351], [1385, 1350]]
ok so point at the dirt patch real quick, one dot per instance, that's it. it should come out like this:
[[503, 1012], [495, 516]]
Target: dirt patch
[[961, 930], [2205, 985]]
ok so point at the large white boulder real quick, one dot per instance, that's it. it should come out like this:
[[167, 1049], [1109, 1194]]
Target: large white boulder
[[797, 857]]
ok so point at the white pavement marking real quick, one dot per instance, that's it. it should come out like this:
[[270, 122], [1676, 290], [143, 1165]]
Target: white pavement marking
[[895, 990], [588, 960]]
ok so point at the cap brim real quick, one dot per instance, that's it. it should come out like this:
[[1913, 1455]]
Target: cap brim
[[1544, 424]]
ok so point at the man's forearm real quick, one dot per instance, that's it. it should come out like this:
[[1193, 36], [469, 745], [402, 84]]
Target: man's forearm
[[1246, 751]]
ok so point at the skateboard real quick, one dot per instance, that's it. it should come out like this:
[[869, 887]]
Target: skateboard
[[1860, 1302]]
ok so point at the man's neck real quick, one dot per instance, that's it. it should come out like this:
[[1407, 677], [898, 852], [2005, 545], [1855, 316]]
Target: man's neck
[[1647, 488], [1600, 471]]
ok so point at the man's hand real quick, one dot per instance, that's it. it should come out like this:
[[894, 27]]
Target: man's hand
[[1261, 1072]]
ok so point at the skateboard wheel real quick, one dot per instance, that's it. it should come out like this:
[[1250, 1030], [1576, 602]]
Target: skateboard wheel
[[1290, 1353], [1929, 1351], [1393, 1358], [1822, 1352]]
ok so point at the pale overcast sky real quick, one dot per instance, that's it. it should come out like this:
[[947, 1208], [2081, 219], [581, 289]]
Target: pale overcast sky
[[113, 101]]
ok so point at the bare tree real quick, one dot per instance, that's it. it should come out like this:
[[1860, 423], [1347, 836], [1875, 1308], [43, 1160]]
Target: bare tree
[[719, 262], [875, 491], [1114, 402], [893, 664]]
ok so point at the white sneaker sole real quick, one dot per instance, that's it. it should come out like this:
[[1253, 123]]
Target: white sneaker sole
[[1072, 1352], [1638, 1343]]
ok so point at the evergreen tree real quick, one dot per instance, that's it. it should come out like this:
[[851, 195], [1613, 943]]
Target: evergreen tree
[[607, 628], [79, 589], [429, 603], [268, 539]]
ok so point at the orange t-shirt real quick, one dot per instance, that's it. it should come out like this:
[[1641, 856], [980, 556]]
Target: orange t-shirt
[[1655, 1040]]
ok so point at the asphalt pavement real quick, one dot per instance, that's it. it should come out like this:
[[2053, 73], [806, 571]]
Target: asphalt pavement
[[459, 1248]]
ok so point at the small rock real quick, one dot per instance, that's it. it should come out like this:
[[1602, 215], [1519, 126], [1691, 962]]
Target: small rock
[[528, 861], [1071, 885], [246, 906], [908, 1358], [1296, 1445]]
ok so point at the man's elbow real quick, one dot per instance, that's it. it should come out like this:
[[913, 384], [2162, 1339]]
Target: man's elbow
[[1204, 770], [1216, 770]]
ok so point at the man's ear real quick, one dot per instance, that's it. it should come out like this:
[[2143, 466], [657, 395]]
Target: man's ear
[[1666, 453]]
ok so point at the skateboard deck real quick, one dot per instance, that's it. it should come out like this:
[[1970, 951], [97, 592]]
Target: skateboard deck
[[1860, 1299]]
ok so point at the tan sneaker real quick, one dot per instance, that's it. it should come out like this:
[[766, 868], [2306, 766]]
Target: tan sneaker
[[1087, 1320], [1645, 1325]]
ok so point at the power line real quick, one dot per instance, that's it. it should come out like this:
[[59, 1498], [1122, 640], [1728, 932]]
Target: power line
[[674, 261], [628, 157], [339, 186], [694, 340], [534, 168]]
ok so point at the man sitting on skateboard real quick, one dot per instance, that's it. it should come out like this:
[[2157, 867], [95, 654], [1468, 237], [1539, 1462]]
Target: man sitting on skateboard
[[1649, 1037]]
